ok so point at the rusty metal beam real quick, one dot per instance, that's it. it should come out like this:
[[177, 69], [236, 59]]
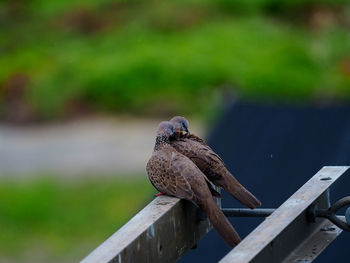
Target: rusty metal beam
[[286, 235], [162, 232]]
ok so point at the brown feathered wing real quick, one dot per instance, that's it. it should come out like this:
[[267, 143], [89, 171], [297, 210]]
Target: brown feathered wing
[[177, 175], [213, 167]]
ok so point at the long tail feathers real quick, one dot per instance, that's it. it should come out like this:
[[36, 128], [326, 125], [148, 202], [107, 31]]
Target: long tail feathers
[[220, 222], [213, 191], [238, 191]]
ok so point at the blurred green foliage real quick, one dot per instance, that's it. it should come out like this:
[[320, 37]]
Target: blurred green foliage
[[48, 220], [160, 57]]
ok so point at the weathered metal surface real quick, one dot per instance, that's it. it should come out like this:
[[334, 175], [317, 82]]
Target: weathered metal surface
[[162, 232], [281, 233], [313, 245]]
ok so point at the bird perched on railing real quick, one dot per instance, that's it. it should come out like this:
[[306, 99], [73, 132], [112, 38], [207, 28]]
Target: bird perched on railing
[[209, 162], [172, 173]]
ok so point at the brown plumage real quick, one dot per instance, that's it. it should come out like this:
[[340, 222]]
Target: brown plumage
[[174, 174], [209, 162]]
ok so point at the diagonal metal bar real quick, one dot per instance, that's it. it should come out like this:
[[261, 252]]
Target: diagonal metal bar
[[161, 232], [286, 234]]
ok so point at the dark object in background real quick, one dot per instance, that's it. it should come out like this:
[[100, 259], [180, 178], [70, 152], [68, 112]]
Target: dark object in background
[[274, 150], [15, 107]]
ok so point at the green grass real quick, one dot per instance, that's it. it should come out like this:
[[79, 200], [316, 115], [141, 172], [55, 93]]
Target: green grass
[[48, 220], [164, 57]]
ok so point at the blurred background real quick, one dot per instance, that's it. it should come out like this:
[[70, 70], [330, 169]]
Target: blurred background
[[83, 85]]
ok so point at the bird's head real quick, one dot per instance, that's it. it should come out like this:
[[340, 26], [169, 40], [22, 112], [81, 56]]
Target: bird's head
[[165, 129], [180, 124]]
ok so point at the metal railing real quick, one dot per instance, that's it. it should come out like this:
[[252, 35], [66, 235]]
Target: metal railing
[[298, 231]]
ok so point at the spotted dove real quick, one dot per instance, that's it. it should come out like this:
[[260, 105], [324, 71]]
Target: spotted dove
[[209, 162], [173, 174]]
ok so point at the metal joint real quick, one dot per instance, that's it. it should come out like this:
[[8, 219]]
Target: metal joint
[[330, 213]]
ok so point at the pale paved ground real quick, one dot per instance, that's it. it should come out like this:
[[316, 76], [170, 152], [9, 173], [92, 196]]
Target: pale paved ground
[[94, 146]]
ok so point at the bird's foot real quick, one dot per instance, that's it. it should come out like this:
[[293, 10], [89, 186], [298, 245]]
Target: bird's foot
[[159, 194]]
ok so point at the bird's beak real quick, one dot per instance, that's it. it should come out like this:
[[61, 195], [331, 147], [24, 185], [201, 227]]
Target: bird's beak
[[187, 131]]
